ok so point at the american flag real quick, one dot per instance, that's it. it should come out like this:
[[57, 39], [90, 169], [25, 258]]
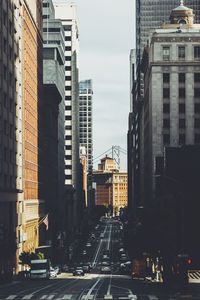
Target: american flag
[[46, 221]]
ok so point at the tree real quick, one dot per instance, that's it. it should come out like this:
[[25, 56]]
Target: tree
[[26, 257]]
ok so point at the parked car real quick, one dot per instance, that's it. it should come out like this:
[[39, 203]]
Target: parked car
[[105, 263], [57, 269], [53, 272], [106, 269], [78, 271]]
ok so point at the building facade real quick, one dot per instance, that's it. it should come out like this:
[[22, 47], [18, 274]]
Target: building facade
[[11, 184], [171, 92], [149, 16], [111, 185], [33, 130], [86, 128], [54, 98], [67, 14]]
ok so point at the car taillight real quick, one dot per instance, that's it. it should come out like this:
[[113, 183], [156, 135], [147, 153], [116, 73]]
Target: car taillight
[[189, 261]]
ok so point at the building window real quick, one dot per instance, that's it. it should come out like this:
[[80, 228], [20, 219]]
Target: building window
[[68, 88], [68, 176], [68, 118], [67, 27], [197, 123], [181, 77], [68, 157], [197, 108], [181, 139], [68, 127], [181, 108], [181, 52], [68, 38], [68, 137], [68, 77], [197, 52], [181, 123], [68, 68], [166, 139], [181, 92], [166, 93], [197, 138], [166, 52], [68, 147], [166, 123], [197, 92], [166, 77], [197, 77], [166, 108], [68, 58], [68, 98], [68, 107], [68, 48], [45, 4]]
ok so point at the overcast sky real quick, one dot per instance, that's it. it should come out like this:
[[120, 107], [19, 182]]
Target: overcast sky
[[106, 37]]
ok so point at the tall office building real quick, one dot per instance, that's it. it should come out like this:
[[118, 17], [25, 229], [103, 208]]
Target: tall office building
[[67, 14], [54, 97], [171, 92], [11, 184], [33, 130], [152, 13], [85, 131], [149, 16]]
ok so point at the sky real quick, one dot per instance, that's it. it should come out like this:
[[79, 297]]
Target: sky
[[106, 34]]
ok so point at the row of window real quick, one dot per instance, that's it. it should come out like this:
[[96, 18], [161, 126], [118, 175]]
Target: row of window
[[181, 92], [182, 123], [166, 139], [166, 108], [181, 52], [181, 77]]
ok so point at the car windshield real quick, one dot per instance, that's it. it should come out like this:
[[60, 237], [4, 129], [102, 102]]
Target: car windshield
[[39, 266]]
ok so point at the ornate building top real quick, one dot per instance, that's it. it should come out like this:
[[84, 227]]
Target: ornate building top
[[182, 15]]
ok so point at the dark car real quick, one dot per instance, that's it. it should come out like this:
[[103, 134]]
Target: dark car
[[78, 271]]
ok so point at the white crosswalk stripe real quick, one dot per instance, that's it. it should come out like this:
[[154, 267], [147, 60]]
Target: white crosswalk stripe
[[50, 297], [27, 297], [11, 297], [194, 276], [67, 297], [44, 297], [153, 297]]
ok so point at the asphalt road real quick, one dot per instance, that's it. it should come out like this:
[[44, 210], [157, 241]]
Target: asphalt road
[[96, 285]]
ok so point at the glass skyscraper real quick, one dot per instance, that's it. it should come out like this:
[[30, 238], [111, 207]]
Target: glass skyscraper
[[150, 14]]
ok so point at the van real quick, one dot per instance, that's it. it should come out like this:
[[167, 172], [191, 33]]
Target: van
[[40, 268]]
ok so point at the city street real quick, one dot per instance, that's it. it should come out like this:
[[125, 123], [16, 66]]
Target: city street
[[97, 284]]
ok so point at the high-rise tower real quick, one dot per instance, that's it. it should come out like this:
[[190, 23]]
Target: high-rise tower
[[67, 14], [85, 123]]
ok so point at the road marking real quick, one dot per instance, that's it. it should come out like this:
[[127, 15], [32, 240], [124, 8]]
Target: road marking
[[152, 297], [27, 297], [89, 295], [108, 297], [44, 297], [11, 297], [50, 297], [66, 297]]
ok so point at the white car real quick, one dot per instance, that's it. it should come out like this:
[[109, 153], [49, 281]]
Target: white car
[[53, 272]]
